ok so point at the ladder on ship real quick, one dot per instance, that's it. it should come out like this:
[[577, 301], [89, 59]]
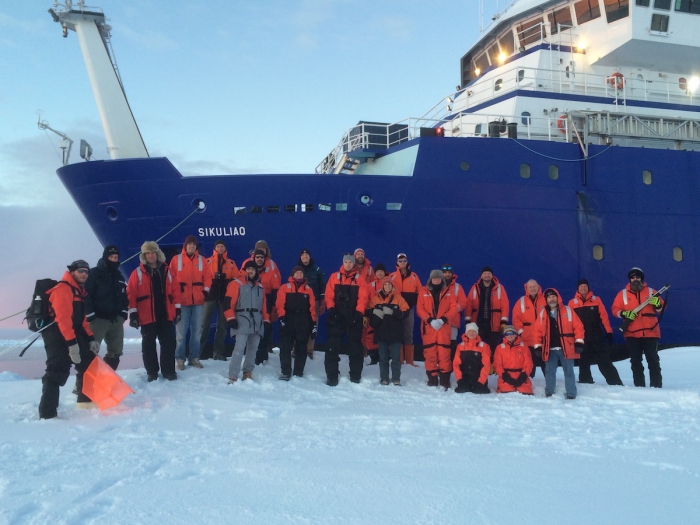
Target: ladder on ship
[[346, 166]]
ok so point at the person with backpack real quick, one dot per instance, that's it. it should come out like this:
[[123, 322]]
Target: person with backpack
[[106, 304], [67, 338]]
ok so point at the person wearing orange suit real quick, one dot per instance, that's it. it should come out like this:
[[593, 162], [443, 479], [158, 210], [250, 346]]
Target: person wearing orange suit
[[154, 306], [461, 297], [513, 363], [643, 333], [271, 280], [346, 298], [488, 307], [408, 284], [223, 271], [368, 339], [386, 310], [436, 304], [67, 340], [364, 266], [194, 275], [525, 312], [296, 309], [591, 311], [472, 362], [559, 334]]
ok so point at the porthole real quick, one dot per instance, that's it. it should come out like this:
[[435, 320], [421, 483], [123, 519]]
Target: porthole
[[111, 212], [553, 172], [365, 200], [525, 171], [200, 205], [464, 166], [678, 254], [598, 252], [646, 177]]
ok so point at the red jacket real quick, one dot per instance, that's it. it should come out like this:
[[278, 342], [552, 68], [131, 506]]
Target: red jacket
[[346, 279], [194, 275], [425, 309], [290, 289], [525, 312], [473, 345], [570, 330], [646, 324], [64, 299], [512, 359], [499, 305], [227, 267], [590, 309], [366, 271], [140, 294], [269, 276], [408, 286], [461, 297]]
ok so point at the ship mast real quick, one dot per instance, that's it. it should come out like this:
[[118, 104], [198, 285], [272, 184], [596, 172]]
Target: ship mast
[[123, 136]]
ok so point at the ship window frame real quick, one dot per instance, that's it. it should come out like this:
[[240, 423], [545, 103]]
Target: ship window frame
[[325, 206], [553, 172], [307, 208], [341, 206], [647, 177], [273, 209], [643, 3], [493, 52], [664, 5], [509, 48], [239, 210], [693, 9], [525, 171], [477, 63], [585, 16], [526, 34], [554, 23], [598, 252], [677, 253], [526, 118], [290, 208], [393, 206], [614, 14], [498, 84], [256, 209], [657, 23]]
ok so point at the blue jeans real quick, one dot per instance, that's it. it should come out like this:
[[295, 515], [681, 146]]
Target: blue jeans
[[192, 320], [550, 373], [389, 351]]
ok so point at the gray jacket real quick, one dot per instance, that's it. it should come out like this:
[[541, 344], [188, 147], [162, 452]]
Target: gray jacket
[[249, 306]]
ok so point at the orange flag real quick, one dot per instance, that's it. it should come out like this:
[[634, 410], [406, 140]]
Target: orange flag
[[103, 386]]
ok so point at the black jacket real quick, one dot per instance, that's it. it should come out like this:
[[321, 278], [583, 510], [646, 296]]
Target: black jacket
[[315, 279], [106, 292], [388, 329]]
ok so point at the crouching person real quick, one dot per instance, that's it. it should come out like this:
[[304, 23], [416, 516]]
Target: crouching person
[[68, 340], [296, 309], [513, 364], [246, 315], [472, 362], [386, 310]]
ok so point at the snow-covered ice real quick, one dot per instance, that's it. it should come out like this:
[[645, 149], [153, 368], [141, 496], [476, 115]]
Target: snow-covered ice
[[198, 450]]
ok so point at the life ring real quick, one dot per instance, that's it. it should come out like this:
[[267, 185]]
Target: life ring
[[561, 123], [617, 81]]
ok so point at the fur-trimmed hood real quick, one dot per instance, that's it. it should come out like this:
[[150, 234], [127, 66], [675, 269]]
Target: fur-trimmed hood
[[151, 246]]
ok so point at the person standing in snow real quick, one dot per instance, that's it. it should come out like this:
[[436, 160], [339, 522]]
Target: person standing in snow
[[317, 282]]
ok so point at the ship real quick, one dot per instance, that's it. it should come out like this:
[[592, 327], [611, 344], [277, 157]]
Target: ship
[[568, 150]]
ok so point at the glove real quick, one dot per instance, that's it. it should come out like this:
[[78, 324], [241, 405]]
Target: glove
[[178, 316], [628, 314], [430, 320], [609, 338], [365, 322], [232, 323], [387, 310], [521, 379], [205, 293], [655, 301], [444, 320], [134, 320], [436, 324], [379, 313], [538, 352], [95, 347], [74, 352], [503, 326], [283, 322], [578, 348], [507, 379], [314, 332]]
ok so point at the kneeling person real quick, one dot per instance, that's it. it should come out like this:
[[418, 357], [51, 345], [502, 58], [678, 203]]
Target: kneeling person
[[472, 362], [513, 364]]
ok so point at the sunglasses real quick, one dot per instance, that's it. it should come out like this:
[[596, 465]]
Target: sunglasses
[[510, 333], [402, 260], [81, 270], [447, 268]]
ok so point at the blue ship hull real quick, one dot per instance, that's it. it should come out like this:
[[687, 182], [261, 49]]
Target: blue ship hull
[[466, 204]]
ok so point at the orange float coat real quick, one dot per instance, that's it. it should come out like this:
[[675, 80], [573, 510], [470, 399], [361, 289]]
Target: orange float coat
[[63, 298], [461, 297], [409, 286], [646, 323], [591, 301], [570, 329], [140, 294], [436, 343], [366, 271], [367, 331], [221, 264], [525, 312], [194, 276], [512, 359], [292, 287], [341, 278], [468, 346], [269, 276], [500, 308]]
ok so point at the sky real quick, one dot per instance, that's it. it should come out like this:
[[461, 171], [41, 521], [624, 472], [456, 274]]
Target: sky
[[218, 87], [198, 450]]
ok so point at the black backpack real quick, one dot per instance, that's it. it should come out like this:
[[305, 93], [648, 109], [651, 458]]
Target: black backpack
[[39, 314]]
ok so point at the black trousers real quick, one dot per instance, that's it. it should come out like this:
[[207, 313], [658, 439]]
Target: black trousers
[[294, 337], [596, 352], [647, 346], [344, 326], [58, 365], [493, 339], [470, 383], [164, 331]]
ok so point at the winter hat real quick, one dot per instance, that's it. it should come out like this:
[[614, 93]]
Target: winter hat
[[486, 269], [219, 241], [448, 268], [358, 250], [635, 272], [378, 267], [110, 250], [348, 257], [303, 251], [548, 292], [385, 280], [509, 328], [471, 326], [78, 264], [250, 264], [295, 270], [189, 239], [402, 256], [582, 281], [259, 252], [151, 247], [435, 274]]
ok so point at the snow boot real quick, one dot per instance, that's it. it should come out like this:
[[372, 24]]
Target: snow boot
[[373, 356], [195, 363], [180, 364], [112, 361], [445, 380], [247, 375], [432, 377]]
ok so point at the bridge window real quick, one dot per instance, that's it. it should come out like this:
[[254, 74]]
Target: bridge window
[[643, 3], [659, 23], [688, 6], [531, 31], [561, 17], [646, 177], [494, 52], [480, 65], [616, 9], [598, 252], [507, 43], [525, 171], [662, 4], [586, 10]]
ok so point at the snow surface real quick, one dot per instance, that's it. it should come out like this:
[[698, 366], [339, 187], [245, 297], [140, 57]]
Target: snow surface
[[201, 451]]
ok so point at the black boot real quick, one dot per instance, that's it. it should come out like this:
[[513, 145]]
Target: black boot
[[445, 380], [432, 377], [112, 361], [373, 356], [48, 406], [78, 384]]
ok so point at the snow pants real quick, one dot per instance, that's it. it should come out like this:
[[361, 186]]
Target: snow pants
[[164, 331], [348, 325], [597, 353], [647, 346], [247, 343]]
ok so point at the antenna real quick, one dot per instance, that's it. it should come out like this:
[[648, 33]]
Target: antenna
[[66, 143]]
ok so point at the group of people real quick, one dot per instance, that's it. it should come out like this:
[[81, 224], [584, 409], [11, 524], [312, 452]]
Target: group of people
[[369, 311]]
